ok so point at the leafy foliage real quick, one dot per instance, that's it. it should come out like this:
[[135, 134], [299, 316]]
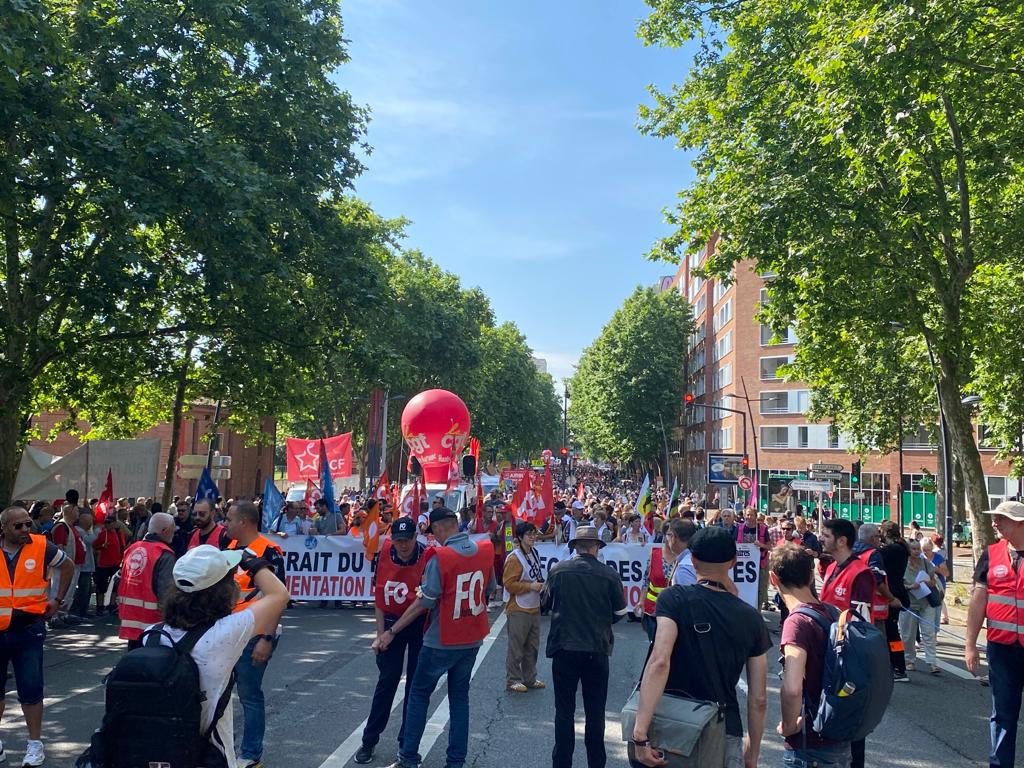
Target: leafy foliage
[[630, 381]]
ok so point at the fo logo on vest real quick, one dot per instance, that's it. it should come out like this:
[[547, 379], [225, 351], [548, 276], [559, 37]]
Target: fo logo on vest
[[395, 592], [30, 564], [1000, 571], [137, 562], [469, 589]]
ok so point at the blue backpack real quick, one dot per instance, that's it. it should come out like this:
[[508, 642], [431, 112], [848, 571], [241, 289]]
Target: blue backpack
[[856, 682]]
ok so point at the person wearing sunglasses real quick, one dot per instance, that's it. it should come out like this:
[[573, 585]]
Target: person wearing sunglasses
[[26, 601]]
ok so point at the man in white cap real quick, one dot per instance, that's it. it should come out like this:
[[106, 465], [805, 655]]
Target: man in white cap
[[572, 520], [997, 598]]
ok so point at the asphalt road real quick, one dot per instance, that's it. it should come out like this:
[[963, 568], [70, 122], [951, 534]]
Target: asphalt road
[[320, 681]]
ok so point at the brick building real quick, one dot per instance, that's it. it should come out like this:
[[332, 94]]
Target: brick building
[[734, 362], [250, 464]]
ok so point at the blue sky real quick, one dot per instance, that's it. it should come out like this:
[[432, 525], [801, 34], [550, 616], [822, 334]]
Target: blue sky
[[506, 133]]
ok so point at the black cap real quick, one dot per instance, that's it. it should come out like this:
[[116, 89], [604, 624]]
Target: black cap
[[438, 514], [403, 529], [713, 545]]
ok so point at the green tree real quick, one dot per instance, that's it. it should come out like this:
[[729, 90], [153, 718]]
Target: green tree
[[514, 408], [630, 381], [161, 173], [869, 155]]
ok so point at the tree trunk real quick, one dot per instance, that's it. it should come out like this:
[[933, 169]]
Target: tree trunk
[[10, 435], [179, 406], [961, 433], [940, 495], [959, 510]]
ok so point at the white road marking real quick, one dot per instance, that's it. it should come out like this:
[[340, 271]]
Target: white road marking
[[52, 701], [958, 671], [435, 725]]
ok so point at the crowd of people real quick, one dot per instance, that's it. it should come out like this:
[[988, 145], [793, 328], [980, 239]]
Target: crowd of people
[[211, 570]]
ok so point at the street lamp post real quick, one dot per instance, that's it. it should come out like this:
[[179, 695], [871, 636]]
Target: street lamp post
[[896, 327], [753, 433]]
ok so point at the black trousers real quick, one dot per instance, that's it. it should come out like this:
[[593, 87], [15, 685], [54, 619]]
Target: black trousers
[[897, 658], [390, 664], [569, 671]]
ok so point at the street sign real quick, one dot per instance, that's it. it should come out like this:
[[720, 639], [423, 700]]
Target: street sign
[[811, 485], [745, 483], [826, 475], [826, 467], [199, 460], [859, 496], [194, 473]]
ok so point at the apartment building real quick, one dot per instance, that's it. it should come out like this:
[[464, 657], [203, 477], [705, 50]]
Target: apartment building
[[734, 364]]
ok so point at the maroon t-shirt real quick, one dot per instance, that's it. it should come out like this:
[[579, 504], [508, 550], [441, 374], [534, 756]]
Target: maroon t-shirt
[[804, 632], [60, 538]]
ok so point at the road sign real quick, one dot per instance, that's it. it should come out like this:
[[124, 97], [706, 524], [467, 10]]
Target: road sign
[[194, 473], [826, 467], [826, 475], [745, 483], [859, 496], [199, 460], [811, 485]]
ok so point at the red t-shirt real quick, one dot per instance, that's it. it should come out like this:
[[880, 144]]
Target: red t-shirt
[[804, 632], [109, 546], [60, 538]]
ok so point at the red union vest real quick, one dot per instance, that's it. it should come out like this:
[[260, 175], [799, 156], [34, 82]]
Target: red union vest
[[138, 606], [249, 593], [28, 589], [656, 580], [1004, 611], [212, 538], [879, 605], [462, 609], [837, 591], [395, 587]]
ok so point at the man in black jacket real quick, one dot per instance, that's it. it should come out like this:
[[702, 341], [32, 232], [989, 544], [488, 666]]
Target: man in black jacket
[[585, 597]]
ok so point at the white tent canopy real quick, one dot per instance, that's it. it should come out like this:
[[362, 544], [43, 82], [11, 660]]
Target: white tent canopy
[[134, 465]]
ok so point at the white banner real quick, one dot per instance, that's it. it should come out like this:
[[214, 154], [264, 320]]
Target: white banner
[[336, 567]]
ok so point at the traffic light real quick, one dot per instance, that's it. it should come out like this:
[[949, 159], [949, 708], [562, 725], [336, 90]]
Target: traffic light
[[688, 398], [855, 473], [564, 451], [745, 461]]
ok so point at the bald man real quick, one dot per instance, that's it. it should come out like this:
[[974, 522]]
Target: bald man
[[146, 575]]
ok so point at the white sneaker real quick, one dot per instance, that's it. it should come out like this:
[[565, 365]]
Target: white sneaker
[[34, 754]]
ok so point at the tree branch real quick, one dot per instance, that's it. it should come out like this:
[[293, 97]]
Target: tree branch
[[967, 266]]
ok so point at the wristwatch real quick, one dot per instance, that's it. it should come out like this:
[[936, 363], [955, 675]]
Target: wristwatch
[[268, 638]]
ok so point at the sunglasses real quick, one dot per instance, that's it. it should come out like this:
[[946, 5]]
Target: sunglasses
[[21, 526]]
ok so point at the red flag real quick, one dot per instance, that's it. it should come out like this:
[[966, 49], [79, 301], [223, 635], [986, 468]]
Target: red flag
[[478, 525], [581, 492], [381, 492], [106, 503], [549, 496], [521, 488], [312, 494], [454, 474], [410, 504]]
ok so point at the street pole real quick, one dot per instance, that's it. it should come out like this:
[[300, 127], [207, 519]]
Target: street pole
[[894, 326], [213, 437], [664, 439], [384, 437], [947, 484]]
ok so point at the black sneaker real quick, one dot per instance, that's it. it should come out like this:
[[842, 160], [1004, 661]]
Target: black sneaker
[[901, 678], [364, 754]]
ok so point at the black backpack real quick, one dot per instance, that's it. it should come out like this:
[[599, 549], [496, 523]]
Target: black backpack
[[153, 713]]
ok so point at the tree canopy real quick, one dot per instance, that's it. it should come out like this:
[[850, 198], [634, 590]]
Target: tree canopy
[[870, 156], [630, 382]]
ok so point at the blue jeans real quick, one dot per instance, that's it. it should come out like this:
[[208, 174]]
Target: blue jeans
[[817, 758], [250, 693], [1006, 680], [432, 663]]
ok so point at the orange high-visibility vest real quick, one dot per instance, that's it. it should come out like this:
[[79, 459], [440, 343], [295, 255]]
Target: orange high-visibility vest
[[250, 593], [29, 589]]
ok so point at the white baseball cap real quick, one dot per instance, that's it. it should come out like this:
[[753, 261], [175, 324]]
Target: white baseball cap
[[578, 504], [204, 566]]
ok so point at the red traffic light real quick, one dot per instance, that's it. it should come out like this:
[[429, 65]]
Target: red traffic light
[[688, 398], [745, 461], [564, 451]]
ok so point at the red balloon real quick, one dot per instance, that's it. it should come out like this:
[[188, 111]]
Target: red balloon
[[435, 425]]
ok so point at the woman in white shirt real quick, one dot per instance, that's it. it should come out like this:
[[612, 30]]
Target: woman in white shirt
[[205, 591], [633, 532]]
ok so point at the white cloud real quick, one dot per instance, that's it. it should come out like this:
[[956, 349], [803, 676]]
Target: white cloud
[[561, 365]]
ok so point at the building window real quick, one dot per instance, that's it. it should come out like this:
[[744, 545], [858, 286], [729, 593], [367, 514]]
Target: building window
[[721, 378], [769, 339], [723, 316], [722, 439], [833, 436], [789, 401], [723, 346], [920, 440], [721, 289], [770, 367], [803, 439], [775, 437]]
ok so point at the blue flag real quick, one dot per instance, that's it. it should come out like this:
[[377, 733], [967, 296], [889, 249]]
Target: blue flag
[[326, 483], [207, 489], [273, 502]]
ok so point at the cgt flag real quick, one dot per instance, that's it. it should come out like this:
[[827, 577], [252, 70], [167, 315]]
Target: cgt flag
[[106, 502]]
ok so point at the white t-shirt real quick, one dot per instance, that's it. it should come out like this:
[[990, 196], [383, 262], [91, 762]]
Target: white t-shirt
[[215, 654]]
